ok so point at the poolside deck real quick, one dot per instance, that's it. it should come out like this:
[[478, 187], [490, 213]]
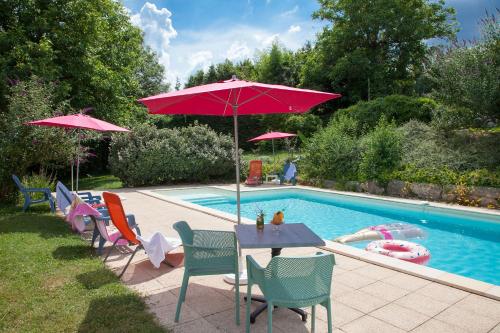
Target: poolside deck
[[366, 297]]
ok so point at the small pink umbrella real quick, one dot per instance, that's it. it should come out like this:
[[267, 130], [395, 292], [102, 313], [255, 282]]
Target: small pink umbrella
[[78, 121], [271, 136]]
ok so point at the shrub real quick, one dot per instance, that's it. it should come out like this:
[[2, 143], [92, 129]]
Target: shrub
[[307, 124], [381, 152], [24, 148], [40, 180], [333, 153], [425, 147], [150, 156], [396, 108], [446, 176]]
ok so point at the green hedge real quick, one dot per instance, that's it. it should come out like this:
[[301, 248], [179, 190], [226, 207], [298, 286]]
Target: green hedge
[[151, 156], [396, 108]]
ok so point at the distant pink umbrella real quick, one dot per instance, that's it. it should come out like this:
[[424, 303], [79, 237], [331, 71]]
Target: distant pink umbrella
[[271, 136], [235, 97], [78, 121]]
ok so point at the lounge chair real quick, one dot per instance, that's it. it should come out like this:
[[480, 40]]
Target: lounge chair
[[292, 282], [289, 173], [28, 200], [126, 235], [64, 197], [255, 173], [207, 252]]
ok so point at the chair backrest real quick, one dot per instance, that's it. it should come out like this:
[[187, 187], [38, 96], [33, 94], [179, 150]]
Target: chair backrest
[[185, 232], [18, 183], [118, 217], [63, 196], [255, 169], [313, 272]]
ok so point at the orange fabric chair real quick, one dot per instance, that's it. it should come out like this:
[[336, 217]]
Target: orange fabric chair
[[255, 173], [119, 219]]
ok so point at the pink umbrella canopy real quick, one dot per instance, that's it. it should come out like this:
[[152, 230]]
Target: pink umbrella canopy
[[222, 98], [79, 121], [272, 136]]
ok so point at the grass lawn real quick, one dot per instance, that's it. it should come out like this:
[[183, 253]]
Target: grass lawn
[[101, 182], [51, 281]]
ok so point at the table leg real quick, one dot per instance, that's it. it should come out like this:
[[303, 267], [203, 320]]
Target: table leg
[[275, 251]]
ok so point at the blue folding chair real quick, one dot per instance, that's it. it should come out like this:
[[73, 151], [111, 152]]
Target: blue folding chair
[[28, 200]]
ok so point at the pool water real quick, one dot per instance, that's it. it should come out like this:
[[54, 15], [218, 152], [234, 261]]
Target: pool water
[[459, 243]]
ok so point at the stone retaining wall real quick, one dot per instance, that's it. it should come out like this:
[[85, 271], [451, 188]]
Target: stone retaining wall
[[466, 195]]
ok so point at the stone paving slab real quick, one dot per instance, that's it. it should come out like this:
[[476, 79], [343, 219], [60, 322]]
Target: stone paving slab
[[365, 297]]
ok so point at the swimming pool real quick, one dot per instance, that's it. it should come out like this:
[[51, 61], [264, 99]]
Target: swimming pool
[[463, 243]]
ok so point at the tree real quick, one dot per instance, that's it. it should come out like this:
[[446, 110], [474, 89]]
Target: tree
[[466, 77], [375, 47], [90, 48]]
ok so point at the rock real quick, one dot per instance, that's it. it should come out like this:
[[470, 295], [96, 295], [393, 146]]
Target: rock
[[397, 188], [488, 202], [485, 192], [353, 186], [426, 191], [449, 193], [372, 187], [329, 183]]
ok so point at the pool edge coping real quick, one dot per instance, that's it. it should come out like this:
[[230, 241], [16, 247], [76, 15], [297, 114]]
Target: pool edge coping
[[435, 275]]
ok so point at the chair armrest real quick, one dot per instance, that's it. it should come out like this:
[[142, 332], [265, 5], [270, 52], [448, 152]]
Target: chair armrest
[[40, 190], [88, 196]]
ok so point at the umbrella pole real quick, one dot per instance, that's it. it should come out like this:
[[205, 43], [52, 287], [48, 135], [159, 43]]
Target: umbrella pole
[[274, 156], [230, 278], [78, 161], [237, 158], [72, 165]]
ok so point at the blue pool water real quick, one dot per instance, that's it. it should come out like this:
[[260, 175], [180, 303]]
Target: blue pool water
[[469, 246]]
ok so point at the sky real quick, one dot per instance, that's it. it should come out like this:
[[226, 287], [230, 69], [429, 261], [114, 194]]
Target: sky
[[189, 35]]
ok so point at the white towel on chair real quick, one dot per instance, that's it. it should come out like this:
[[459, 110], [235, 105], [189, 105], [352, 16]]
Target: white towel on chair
[[157, 245]]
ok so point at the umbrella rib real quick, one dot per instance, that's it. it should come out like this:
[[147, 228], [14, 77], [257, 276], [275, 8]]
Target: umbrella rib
[[261, 93]]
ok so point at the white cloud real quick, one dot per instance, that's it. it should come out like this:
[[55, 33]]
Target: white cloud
[[158, 31], [184, 52], [238, 50], [294, 28], [290, 12], [200, 59]]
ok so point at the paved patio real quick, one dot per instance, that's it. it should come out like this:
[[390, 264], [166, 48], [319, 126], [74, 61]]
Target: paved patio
[[366, 297]]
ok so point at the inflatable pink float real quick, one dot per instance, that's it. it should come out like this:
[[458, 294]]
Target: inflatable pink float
[[402, 250]]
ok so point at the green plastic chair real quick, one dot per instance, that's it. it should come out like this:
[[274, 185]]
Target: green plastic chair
[[207, 252], [292, 282]]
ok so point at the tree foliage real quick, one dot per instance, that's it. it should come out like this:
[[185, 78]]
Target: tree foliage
[[467, 76], [24, 148], [374, 48], [90, 48]]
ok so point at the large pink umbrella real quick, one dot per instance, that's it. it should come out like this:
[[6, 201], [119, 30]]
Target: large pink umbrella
[[271, 136], [78, 121], [232, 98]]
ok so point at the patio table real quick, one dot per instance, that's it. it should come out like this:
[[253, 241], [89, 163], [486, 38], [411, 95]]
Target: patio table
[[286, 235]]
